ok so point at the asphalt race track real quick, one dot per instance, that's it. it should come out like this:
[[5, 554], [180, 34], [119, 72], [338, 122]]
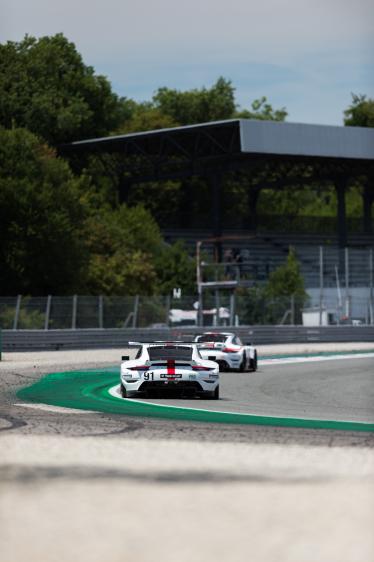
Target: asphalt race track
[[137, 488], [322, 391], [334, 389], [329, 390]]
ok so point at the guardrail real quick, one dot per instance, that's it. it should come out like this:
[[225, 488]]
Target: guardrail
[[39, 340]]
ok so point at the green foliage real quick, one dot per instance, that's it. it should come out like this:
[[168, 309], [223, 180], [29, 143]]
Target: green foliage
[[256, 307], [262, 110], [175, 268], [360, 113], [42, 209], [170, 108], [121, 273], [298, 202], [128, 257], [105, 178], [146, 118], [286, 280], [58, 236], [197, 106], [271, 303], [46, 87], [161, 199], [27, 320], [152, 310], [121, 245]]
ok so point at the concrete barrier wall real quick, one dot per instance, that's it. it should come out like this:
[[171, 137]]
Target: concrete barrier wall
[[27, 340]]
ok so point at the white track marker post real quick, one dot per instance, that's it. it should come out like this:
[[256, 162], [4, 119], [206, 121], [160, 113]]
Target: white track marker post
[[320, 284], [101, 311], [347, 297], [47, 312], [339, 294], [74, 313], [232, 308], [167, 309], [136, 311], [199, 285], [293, 309], [371, 304], [16, 312]]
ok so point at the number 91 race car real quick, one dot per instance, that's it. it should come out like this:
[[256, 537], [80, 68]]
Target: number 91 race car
[[162, 367], [227, 350]]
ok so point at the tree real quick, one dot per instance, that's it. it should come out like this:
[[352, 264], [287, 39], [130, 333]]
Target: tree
[[197, 106], [128, 256], [147, 118], [122, 244], [46, 87], [360, 113], [262, 110], [286, 280], [175, 268], [272, 302], [42, 209]]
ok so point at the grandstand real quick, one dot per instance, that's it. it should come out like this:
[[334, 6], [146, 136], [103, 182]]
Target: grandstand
[[298, 154]]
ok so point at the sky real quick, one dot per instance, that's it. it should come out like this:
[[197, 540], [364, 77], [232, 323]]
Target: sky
[[305, 55]]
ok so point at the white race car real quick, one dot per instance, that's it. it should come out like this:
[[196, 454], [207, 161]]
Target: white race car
[[228, 350], [169, 366]]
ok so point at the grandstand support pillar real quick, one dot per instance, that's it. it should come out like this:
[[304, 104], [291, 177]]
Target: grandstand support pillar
[[367, 200], [340, 186], [186, 205], [253, 195], [215, 182]]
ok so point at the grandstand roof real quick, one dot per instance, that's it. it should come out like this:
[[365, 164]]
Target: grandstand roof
[[326, 154], [241, 136], [321, 141]]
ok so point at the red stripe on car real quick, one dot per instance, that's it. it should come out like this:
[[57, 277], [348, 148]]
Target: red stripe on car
[[171, 369]]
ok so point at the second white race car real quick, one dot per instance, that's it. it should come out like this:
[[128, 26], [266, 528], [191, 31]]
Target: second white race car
[[227, 350]]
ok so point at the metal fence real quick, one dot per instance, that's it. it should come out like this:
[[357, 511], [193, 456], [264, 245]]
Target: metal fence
[[79, 312], [37, 340], [223, 309]]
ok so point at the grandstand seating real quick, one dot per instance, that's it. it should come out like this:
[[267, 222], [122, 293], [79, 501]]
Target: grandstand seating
[[262, 253]]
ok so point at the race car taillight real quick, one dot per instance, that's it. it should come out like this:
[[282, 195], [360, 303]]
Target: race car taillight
[[200, 368], [140, 368], [229, 350]]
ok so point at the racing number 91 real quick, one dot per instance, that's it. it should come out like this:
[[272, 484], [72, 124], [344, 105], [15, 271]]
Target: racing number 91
[[148, 376]]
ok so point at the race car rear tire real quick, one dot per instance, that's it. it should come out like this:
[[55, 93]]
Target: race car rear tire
[[253, 362], [123, 391], [243, 364], [210, 395]]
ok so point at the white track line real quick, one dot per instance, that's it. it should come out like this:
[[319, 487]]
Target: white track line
[[55, 409], [289, 360]]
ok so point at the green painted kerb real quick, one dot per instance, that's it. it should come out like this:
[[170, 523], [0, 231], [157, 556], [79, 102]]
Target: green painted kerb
[[89, 390]]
